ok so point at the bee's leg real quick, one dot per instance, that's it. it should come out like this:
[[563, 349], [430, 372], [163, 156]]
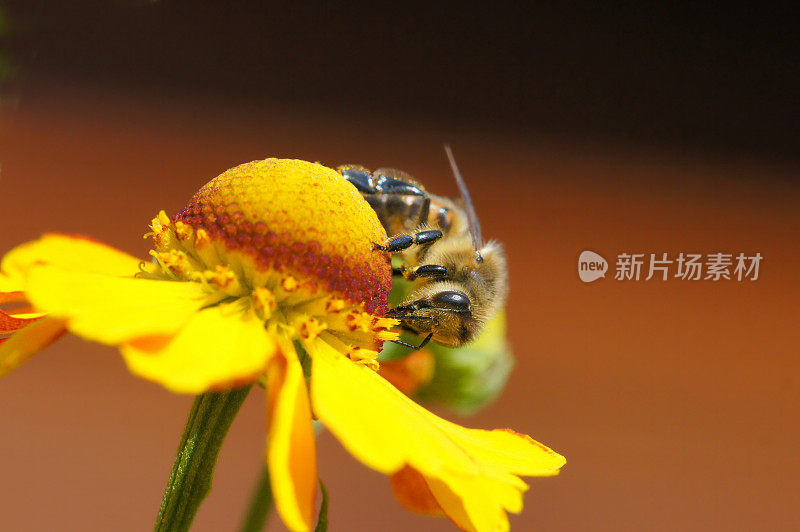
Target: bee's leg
[[425, 341], [383, 181], [415, 347], [448, 300], [390, 185], [401, 242], [425, 270], [359, 177]]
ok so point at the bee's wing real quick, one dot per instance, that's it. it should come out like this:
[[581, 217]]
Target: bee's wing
[[474, 225]]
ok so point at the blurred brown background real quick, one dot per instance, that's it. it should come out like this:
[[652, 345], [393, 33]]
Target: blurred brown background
[[675, 402]]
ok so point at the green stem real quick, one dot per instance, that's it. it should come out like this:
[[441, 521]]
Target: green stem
[[260, 505], [190, 479]]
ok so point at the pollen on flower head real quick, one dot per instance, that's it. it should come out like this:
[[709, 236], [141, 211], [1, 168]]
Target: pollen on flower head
[[294, 239], [264, 302]]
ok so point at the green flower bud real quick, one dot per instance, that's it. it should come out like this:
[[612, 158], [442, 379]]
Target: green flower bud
[[465, 379], [470, 377]]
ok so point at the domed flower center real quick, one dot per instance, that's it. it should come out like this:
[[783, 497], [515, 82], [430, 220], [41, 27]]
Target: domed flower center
[[291, 239]]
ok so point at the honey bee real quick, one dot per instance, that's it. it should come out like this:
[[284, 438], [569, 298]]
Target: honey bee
[[458, 281]]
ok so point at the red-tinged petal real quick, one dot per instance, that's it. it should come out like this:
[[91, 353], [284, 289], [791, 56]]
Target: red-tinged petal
[[28, 341], [291, 451], [13, 322], [12, 297], [413, 493], [409, 373]]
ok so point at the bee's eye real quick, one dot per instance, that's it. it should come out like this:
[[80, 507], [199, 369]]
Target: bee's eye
[[451, 300]]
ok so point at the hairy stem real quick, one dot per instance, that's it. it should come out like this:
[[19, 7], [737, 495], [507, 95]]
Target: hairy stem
[[189, 481]]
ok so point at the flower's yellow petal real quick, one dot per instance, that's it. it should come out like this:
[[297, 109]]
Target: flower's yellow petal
[[476, 503], [516, 453], [112, 310], [373, 420], [9, 284], [291, 453], [219, 347], [78, 253], [384, 429], [27, 341]]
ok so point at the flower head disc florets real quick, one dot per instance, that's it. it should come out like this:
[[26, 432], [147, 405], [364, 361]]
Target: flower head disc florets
[[270, 274], [292, 239], [296, 217]]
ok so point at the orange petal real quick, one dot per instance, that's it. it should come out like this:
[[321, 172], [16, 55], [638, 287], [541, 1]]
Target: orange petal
[[13, 322], [413, 493], [12, 297], [27, 341], [291, 450], [410, 373]]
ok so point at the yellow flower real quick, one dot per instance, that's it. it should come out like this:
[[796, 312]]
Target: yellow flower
[[269, 256]]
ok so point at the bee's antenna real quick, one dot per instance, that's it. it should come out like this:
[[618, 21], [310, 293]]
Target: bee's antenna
[[472, 218]]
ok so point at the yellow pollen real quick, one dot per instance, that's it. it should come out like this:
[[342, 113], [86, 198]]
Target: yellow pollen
[[161, 231], [203, 247], [289, 283], [386, 336], [201, 239], [335, 305], [173, 261], [183, 231], [385, 323], [360, 321], [223, 277], [159, 224], [308, 327], [264, 302], [367, 357]]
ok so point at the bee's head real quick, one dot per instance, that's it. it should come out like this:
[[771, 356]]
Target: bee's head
[[439, 308]]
